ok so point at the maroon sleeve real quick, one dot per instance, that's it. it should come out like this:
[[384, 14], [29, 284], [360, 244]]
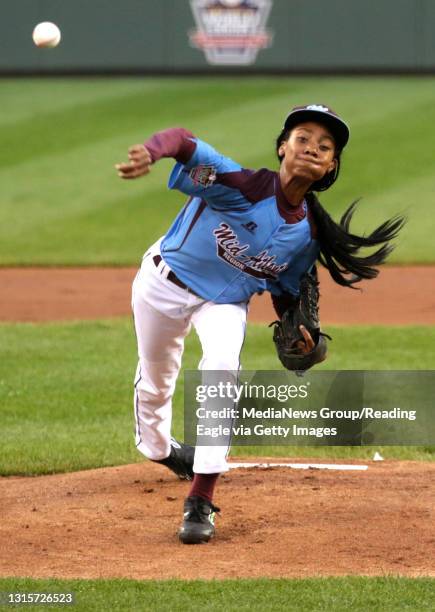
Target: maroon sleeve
[[174, 142], [283, 302]]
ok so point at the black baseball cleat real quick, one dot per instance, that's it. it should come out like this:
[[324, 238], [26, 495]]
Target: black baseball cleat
[[180, 460], [198, 523]]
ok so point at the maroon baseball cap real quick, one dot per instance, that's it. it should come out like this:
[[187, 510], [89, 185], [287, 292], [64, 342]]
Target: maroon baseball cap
[[321, 114]]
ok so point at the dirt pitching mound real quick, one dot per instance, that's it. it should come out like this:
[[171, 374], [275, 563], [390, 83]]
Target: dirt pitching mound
[[279, 522]]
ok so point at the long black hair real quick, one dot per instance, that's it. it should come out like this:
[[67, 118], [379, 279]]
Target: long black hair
[[339, 248]]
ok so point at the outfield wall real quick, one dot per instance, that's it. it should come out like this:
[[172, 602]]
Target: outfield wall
[[153, 36]]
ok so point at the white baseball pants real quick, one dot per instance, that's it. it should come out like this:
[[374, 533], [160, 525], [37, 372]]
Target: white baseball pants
[[163, 316]]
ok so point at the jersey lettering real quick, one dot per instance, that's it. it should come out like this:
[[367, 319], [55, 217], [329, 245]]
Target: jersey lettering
[[262, 265]]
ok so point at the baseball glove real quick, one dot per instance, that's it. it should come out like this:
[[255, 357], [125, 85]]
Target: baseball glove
[[287, 333]]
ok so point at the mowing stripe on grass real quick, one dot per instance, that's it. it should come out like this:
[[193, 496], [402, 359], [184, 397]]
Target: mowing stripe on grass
[[61, 190]]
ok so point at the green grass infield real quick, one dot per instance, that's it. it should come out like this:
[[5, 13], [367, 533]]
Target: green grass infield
[[66, 391], [62, 202], [387, 594]]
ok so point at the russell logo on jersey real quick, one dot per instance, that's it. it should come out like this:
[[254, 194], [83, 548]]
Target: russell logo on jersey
[[232, 252], [251, 226]]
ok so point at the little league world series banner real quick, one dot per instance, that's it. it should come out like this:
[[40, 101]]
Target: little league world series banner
[[231, 32], [334, 408]]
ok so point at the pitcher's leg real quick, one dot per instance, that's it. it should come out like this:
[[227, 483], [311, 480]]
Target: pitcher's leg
[[160, 342], [221, 330]]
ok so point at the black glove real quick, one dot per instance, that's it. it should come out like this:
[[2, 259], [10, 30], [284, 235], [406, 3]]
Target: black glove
[[287, 333]]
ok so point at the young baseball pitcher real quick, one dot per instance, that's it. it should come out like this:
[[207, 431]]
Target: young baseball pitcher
[[240, 232]]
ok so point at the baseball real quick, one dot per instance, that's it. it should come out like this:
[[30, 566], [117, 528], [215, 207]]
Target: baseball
[[46, 35]]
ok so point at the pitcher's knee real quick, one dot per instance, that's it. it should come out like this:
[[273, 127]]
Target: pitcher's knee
[[152, 396]]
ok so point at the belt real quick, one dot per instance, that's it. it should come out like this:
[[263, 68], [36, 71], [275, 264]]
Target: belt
[[173, 277]]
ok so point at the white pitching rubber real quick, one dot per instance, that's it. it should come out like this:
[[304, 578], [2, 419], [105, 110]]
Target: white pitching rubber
[[300, 466]]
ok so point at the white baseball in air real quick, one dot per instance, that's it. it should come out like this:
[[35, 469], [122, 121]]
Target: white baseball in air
[[46, 34]]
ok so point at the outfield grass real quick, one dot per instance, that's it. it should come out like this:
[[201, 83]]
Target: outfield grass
[[307, 595], [62, 202], [66, 389]]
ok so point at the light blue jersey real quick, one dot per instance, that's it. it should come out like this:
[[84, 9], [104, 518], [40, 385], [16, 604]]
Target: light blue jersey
[[231, 239]]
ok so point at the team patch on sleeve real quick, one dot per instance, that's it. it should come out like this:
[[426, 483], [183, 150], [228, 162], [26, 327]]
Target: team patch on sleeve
[[203, 175]]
